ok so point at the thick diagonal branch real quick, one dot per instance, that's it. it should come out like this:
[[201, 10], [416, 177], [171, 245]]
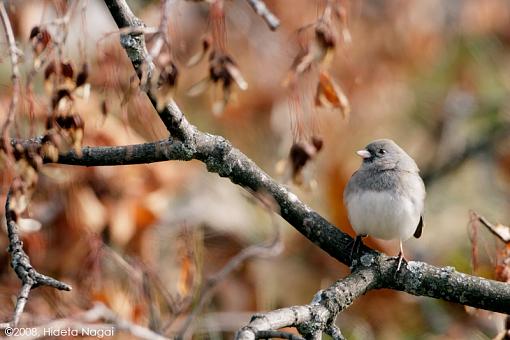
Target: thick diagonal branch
[[219, 156]]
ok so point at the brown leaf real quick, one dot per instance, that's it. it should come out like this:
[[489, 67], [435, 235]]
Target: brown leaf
[[83, 76], [199, 87], [62, 101], [330, 95], [503, 232], [301, 153], [235, 73], [40, 39], [28, 225], [222, 68], [49, 146], [67, 70], [186, 276], [199, 56]]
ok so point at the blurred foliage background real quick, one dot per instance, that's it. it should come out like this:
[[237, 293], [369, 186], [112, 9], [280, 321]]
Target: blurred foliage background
[[432, 75]]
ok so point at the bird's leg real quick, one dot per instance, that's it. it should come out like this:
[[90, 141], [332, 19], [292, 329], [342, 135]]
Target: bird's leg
[[400, 256], [358, 240]]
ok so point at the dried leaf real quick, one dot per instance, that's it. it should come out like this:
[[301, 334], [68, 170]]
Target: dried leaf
[[28, 225], [185, 277], [19, 202], [503, 232], [304, 63], [49, 70], [104, 107], [50, 151], [62, 101], [199, 56], [82, 89], [40, 39], [324, 36], [67, 70], [223, 69], [502, 272], [235, 73], [199, 88], [301, 153], [330, 95], [83, 76]]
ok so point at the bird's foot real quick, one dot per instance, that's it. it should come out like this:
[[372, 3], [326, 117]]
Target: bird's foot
[[358, 241], [400, 258]]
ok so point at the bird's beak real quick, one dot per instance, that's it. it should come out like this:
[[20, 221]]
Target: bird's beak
[[364, 154]]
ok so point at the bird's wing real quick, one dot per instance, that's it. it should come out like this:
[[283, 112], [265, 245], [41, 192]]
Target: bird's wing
[[419, 228]]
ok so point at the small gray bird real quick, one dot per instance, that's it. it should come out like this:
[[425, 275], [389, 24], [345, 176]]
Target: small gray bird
[[385, 197]]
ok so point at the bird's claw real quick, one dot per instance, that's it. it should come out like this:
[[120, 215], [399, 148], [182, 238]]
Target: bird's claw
[[400, 258], [355, 246]]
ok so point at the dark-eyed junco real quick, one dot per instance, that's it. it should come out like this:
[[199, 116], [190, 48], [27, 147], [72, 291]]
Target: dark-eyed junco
[[385, 197]]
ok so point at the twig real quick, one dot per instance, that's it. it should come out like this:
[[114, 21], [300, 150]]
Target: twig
[[261, 9], [13, 55], [333, 331], [319, 315], [20, 262], [277, 334]]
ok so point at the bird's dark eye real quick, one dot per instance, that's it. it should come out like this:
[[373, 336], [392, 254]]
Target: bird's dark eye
[[381, 152]]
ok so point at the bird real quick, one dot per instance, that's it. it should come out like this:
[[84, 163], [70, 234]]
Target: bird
[[385, 197]]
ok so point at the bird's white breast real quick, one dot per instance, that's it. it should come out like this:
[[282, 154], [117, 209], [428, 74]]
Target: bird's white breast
[[383, 215]]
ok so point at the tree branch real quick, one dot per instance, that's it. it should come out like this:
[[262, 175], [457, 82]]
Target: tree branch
[[319, 314], [219, 156], [20, 262], [13, 55]]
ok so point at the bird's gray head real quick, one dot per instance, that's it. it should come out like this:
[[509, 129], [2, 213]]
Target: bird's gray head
[[385, 154]]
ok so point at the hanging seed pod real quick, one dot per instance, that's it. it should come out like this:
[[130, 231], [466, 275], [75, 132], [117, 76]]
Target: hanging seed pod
[[82, 88], [301, 153], [62, 101], [40, 38], [50, 146]]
